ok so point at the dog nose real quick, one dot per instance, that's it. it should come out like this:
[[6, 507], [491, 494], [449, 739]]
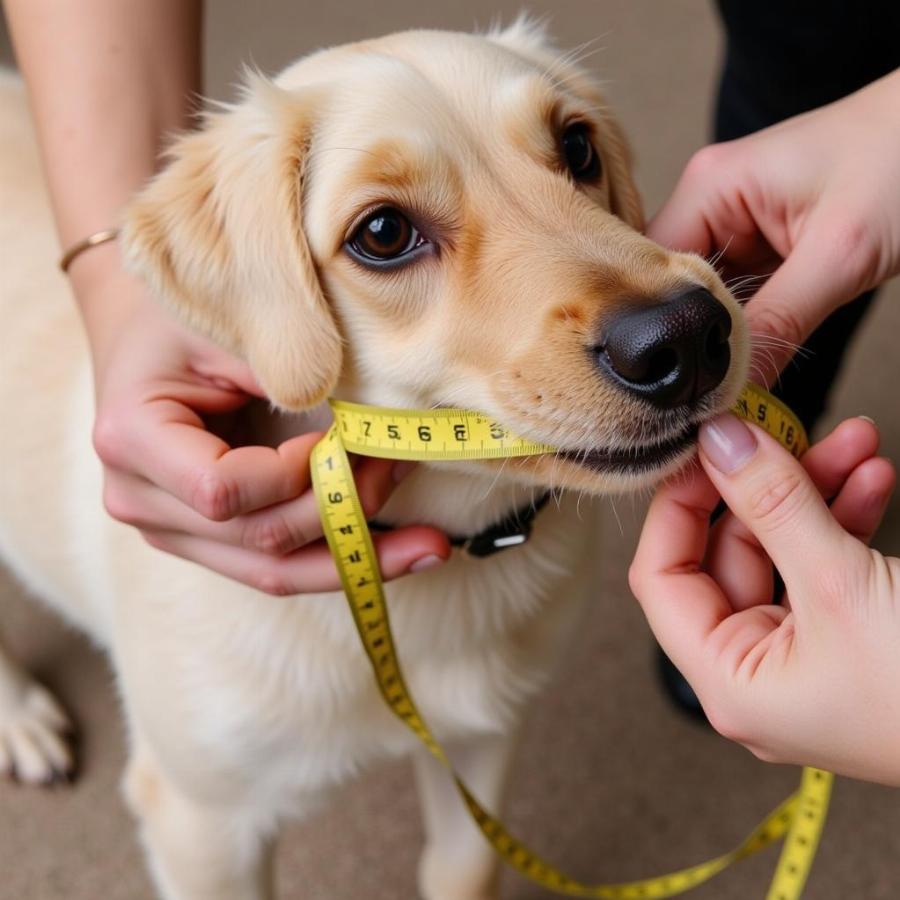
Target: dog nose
[[671, 353]]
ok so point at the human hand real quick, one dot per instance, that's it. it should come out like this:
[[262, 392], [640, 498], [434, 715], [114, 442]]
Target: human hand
[[814, 681], [815, 199], [245, 512]]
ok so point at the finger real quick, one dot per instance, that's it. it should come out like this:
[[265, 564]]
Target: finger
[[709, 211], [681, 225], [773, 495], [740, 566], [807, 287], [169, 446], [863, 499], [682, 603], [375, 481], [673, 538], [693, 620], [736, 559], [278, 529], [830, 461], [286, 527], [220, 368], [310, 570], [685, 221]]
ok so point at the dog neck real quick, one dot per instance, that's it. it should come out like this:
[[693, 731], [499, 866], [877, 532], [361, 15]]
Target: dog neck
[[460, 498]]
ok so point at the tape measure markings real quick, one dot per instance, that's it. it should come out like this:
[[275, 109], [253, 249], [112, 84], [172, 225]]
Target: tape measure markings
[[461, 434], [760, 407], [443, 433], [802, 839]]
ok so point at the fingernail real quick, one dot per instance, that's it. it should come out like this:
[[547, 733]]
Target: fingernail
[[868, 419], [727, 442], [431, 561], [402, 469]]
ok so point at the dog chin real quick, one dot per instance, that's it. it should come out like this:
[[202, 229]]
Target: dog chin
[[619, 470], [562, 472], [642, 477], [603, 471]]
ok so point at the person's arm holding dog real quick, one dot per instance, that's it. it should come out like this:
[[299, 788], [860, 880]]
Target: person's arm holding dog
[[109, 81], [817, 681]]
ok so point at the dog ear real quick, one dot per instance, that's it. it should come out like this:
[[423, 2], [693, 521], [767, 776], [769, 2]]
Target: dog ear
[[219, 236], [624, 199]]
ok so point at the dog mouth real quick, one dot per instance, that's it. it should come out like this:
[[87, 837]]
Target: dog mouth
[[635, 460]]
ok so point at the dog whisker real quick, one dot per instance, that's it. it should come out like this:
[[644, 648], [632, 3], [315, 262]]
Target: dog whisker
[[762, 337], [742, 281], [495, 479], [576, 57], [714, 259], [615, 512]]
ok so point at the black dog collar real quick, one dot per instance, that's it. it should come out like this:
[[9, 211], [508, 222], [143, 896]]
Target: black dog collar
[[509, 532]]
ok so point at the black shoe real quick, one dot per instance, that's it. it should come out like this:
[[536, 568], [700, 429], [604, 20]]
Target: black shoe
[[679, 691]]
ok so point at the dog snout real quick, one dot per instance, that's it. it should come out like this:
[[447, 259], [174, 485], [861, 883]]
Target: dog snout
[[671, 353]]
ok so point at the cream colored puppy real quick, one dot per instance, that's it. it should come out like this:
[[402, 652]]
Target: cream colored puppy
[[420, 220]]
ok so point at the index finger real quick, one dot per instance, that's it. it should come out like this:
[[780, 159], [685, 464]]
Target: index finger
[[682, 603], [673, 539], [172, 448], [708, 211]]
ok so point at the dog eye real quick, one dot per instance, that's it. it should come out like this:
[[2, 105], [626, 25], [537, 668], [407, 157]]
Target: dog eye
[[579, 152], [384, 235]]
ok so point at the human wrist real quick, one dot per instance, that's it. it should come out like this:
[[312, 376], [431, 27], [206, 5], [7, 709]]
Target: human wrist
[[107, 296], [94, 239]]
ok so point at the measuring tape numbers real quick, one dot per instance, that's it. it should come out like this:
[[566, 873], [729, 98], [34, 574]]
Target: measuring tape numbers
[[758, 406], [439, 434], [456, 434]]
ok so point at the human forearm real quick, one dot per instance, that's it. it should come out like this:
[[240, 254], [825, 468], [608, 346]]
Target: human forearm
[[107, 80]]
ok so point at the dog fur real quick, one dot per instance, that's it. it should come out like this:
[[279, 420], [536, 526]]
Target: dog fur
[[243, 709]]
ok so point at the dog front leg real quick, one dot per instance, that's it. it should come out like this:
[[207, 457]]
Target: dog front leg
[[34, 731], [457, 862], [198, 851]]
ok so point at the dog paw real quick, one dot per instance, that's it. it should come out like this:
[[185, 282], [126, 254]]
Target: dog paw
[[449, 876], [34, 735]]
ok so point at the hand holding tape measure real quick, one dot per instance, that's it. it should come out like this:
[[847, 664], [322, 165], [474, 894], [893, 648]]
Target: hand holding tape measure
[[460, 434]]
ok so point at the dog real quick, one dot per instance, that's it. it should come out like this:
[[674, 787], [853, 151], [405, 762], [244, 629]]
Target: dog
[[427, 219]]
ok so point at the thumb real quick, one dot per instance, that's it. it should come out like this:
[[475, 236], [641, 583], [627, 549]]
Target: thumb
[[771, 493]]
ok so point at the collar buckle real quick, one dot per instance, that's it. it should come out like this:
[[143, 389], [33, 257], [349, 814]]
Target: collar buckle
[[513, 531]]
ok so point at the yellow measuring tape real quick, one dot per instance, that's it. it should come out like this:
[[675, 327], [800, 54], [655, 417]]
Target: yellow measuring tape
[[456, 434]]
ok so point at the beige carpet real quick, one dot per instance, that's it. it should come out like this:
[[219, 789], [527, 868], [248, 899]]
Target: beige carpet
[[611, 783]]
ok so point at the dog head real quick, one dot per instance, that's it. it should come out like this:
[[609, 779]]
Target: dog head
[[434, 219]]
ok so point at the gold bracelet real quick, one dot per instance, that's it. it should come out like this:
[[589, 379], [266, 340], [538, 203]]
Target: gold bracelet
[[92, 240]]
